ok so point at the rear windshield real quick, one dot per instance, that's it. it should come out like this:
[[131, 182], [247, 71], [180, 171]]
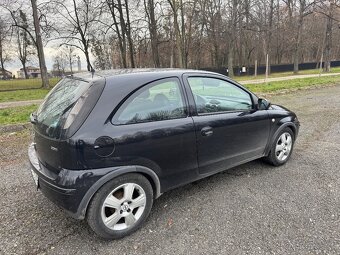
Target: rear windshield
[[57, 104]]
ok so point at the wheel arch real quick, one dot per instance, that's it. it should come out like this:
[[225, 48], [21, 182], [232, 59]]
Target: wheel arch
[[146, 172], [288, 124]]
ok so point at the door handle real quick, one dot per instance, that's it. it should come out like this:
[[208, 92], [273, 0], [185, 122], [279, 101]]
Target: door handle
[[207, 131]]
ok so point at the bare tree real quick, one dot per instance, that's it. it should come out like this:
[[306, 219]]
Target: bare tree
[[120, 15], [329, 35], [25, 34], [232, 35], [102, 51], [304, 9], [149, 6], [4, 40], [187, 34], [176, 8], [60, 63], [79, 20], [39, 45], [23, 41]]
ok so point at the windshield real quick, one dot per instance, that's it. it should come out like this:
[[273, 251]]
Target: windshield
[[57, 105]]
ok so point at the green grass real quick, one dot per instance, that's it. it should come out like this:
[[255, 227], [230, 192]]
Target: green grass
[[284, 74], [293, 84], [24, 83], [16, 114], [22, 95]]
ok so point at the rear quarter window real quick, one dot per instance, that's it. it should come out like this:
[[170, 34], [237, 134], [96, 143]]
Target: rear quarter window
[[160, 100]]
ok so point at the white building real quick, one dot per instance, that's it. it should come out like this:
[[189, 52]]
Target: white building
[[32, 72]]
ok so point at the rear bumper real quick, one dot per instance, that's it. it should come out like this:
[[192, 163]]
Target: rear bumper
[[67, 189], [73, 189]]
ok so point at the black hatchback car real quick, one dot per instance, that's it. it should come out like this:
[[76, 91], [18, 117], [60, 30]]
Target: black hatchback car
[[106, 145]]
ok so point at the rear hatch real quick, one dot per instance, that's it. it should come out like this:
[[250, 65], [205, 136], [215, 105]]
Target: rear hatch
[[55, 118]]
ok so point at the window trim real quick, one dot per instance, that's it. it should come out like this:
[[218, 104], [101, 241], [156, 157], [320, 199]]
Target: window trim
[[127, 100], [187, 76]]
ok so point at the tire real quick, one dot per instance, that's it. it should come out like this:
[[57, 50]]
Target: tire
[[282, 148], [120, 206]]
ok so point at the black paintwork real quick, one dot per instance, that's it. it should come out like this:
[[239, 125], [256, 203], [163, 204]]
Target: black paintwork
[[169, 153]]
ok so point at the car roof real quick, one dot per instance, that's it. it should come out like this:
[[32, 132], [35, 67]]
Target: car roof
[[88, 76]]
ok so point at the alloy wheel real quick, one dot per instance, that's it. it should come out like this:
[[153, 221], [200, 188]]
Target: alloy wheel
[[283, 146], [123, 207]]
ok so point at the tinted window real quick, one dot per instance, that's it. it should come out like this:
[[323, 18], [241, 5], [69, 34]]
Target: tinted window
[[161, 100], [215, 95], [57, 104]]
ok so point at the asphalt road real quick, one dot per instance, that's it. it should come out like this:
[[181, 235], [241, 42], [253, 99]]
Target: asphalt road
[[251, 209]]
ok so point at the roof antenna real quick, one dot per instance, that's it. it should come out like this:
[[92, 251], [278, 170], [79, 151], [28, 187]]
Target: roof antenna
[[92, 71]]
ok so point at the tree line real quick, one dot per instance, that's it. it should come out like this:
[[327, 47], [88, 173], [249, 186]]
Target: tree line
[[173, 33]]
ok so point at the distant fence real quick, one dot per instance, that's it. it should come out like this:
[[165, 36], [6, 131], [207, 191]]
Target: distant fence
[[24, 84], [273, 68]]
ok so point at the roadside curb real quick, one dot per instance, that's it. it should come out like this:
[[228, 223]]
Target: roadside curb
[[14, 127]]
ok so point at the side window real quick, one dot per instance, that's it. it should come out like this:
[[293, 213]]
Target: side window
[[215, 95], [161, 100]]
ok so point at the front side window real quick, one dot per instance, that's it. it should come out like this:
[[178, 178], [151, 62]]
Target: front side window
[[161, 100], [214, 95]]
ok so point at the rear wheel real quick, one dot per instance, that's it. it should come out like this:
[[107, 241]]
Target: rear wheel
[[282, 148], [121, 206]]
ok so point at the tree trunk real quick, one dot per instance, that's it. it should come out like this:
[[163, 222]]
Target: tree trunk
[[87, 57], [183, 35], [269, 34], [23, 63], [128, 34], [177, 33], [39, 45], [2, 61], [302, 8], [123, 30], [150, 10], [232, 42], [231, 61], [120, 34], [328, 47], [298, 41]]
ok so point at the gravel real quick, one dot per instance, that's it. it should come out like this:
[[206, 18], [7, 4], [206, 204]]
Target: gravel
[[250, 209]]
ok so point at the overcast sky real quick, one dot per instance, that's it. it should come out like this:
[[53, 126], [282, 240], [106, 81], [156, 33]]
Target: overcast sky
[[50, 53]]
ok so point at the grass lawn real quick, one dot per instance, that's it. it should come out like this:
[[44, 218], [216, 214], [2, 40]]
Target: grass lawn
[[293, 84], [24, 83], [16, 114], [22, 95], [283, 74]]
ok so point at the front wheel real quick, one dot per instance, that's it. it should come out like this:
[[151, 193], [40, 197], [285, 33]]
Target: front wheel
[[282, 148], [121, 206]]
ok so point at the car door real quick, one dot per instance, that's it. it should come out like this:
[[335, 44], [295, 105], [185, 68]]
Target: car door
[[152, 129], [229, 130]]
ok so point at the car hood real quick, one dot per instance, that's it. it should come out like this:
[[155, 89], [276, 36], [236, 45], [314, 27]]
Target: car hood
[[279, 107]]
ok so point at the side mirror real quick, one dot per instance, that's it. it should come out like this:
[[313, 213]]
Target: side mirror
[[263, 104]]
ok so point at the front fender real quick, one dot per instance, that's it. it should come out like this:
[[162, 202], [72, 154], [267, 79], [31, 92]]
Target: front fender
[[290, 122]]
